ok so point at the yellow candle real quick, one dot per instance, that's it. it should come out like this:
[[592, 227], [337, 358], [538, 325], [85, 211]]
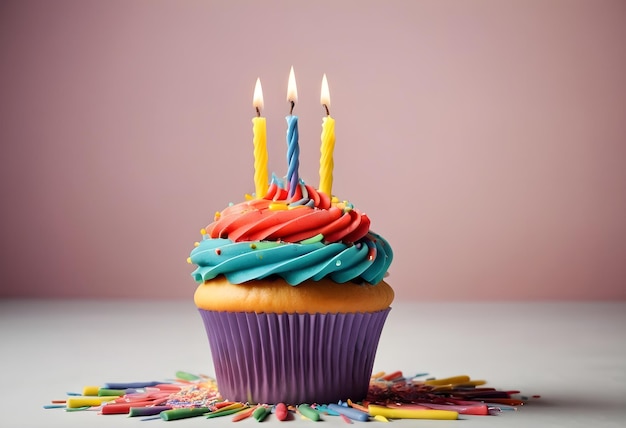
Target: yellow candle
[[259, 130], [328, 143]]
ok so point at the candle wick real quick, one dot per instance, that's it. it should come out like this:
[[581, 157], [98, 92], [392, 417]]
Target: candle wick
[[258, 112], [292, 105], [327, 112]]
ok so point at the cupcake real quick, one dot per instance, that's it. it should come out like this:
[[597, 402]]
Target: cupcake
[[292, 295]]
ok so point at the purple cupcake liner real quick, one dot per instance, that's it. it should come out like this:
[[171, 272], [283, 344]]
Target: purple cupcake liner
[[293, 358]]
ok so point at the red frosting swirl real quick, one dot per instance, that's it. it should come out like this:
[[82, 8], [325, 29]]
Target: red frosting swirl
[[276, 218]]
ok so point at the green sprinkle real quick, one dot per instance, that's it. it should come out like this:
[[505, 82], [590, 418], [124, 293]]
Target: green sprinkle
[[308, 412], [174, 414], [186, 376], [77, 409], [261, 413], [225, 412], [313, 239], [105, 392]]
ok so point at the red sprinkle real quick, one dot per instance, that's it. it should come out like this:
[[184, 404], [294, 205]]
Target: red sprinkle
[[281, 411], [346, 419]]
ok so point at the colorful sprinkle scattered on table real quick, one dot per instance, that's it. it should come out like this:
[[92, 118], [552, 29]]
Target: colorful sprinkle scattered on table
[[390, 396]]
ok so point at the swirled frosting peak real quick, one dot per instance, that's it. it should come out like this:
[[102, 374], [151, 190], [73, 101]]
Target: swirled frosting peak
[[307, 236]]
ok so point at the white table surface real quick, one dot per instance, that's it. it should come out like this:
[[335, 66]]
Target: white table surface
[[572, 354]]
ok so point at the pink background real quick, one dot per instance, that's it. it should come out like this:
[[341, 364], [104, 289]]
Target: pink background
[[486, 139]]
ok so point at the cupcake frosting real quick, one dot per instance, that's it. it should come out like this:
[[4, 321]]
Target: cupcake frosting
[[306, 237]]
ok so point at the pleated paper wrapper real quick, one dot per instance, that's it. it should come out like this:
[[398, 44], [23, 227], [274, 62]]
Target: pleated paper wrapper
[[293, 358]]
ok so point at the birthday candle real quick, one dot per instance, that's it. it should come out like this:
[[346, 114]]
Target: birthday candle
[[293, 149], [328, 143], [259, 129]]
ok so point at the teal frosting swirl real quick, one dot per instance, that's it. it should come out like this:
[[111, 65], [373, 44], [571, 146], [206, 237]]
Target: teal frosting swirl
[[365, 260]]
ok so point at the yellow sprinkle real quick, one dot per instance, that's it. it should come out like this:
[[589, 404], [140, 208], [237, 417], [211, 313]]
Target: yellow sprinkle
[[275, 206], [253, 246], [203, 231], [91, 390], [196, 244], [217, 215], [188, 261], [378, 375], [74, 402], [248, 197], [334, 199], [448, 380], [381, 418]]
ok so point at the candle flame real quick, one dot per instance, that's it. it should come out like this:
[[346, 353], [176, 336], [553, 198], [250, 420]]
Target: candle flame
[[292, 90], [325, 96], [257, 99]]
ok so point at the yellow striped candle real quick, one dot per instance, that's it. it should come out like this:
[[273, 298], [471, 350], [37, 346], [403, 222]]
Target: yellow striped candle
[[328, 143], [259, 130]]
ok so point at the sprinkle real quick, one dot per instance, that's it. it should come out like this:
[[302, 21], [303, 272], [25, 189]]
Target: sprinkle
[[75, 402], [186, 376], [203, 231], [349, 412], [381, 418], [277, 206], [147, 411], [412, 414], [253, 246], [346, 419], [196, 244], [356, 406], [91, 390], [393, 376], [174, 414], [323, 409], [313, 239], [218, 251], [306, 411], [228, 410], [54, 406], [261, 413], [125, 385], [281, 411], [244, 414], [105, 392], [448, 381]]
